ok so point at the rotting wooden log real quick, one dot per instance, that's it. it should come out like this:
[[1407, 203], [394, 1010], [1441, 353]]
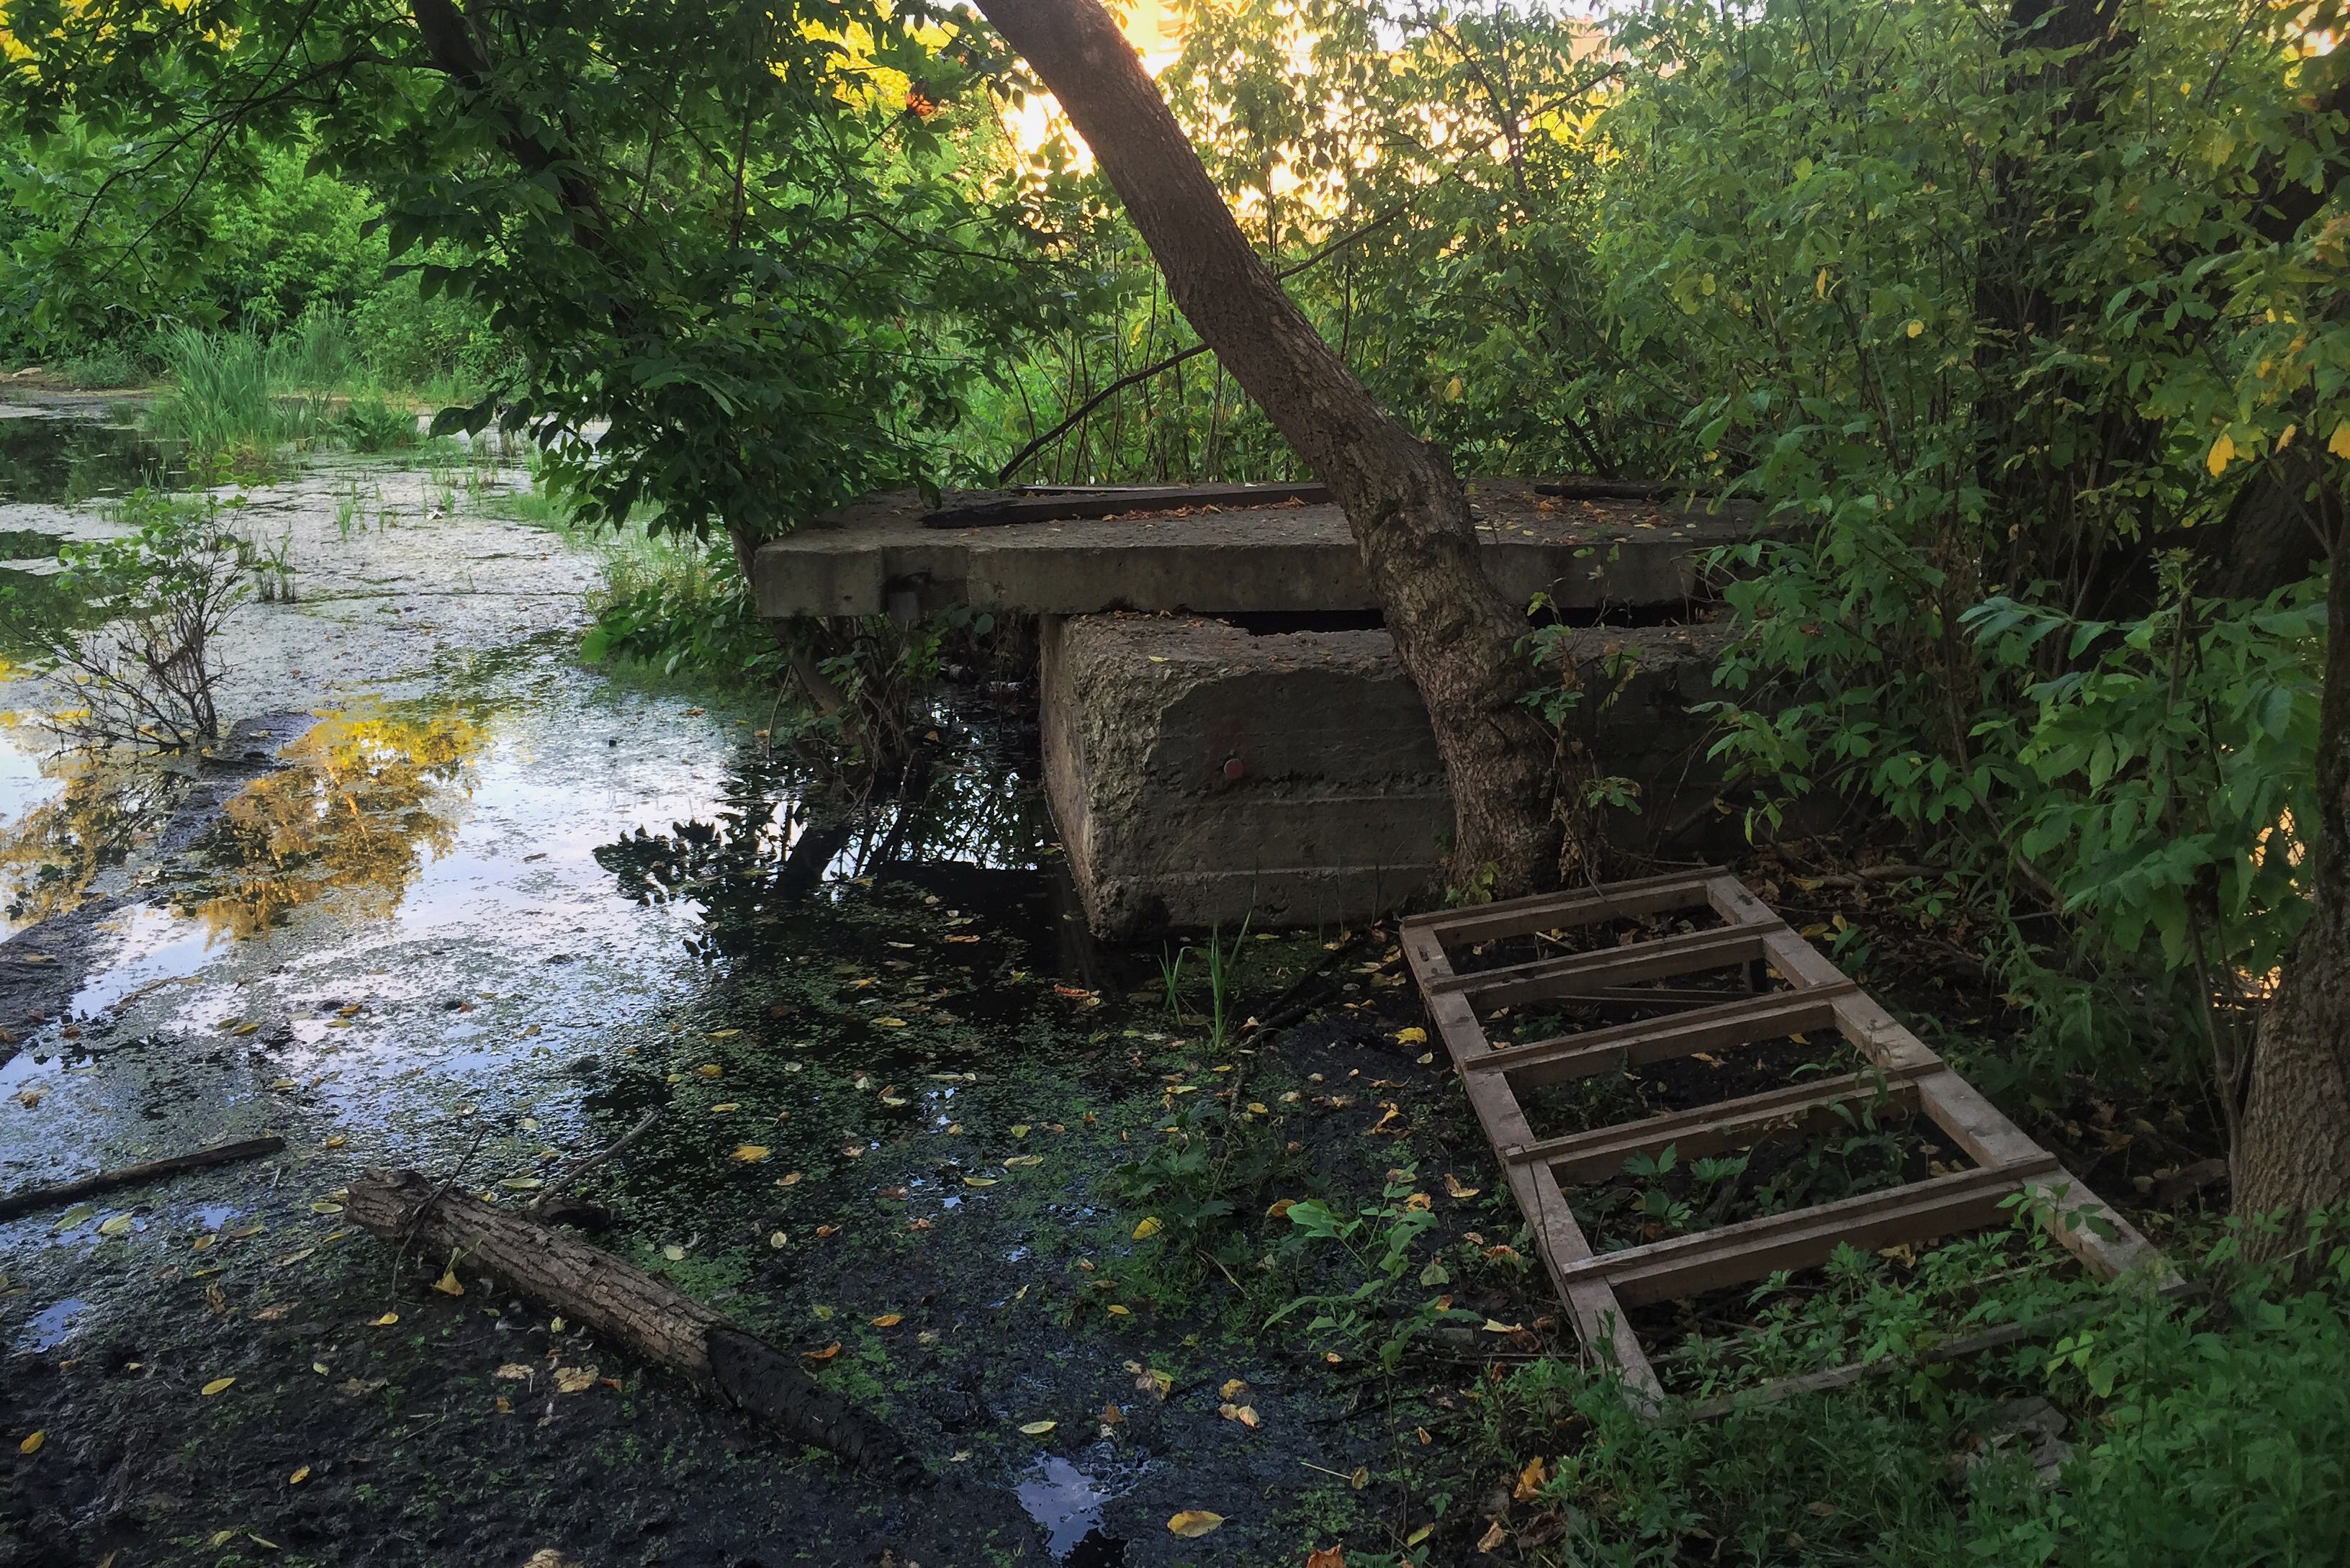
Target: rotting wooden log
[[33, 1197], [625, 1305]]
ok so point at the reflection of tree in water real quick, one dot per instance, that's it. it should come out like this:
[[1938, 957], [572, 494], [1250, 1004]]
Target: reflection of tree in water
[[776, 839], [361, 802], [49, 856]]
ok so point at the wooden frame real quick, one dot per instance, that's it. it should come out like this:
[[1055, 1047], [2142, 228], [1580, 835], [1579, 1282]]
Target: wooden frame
[[1902, 1075]]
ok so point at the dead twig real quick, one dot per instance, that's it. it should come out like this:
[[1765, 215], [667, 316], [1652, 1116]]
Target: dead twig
[[570, 1176], [16, 1203]]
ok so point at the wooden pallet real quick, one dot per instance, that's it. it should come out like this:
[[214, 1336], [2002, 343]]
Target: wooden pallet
[[1785, 986]]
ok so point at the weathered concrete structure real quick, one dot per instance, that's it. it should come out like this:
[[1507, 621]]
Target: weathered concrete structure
[[1201, 771], [880, 557]]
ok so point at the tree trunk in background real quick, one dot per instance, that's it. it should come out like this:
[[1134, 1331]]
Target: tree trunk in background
[[2294, 1146], [1410, 513]]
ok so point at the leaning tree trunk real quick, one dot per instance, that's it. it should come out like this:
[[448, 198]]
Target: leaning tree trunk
[[2293, 1149], [1455, 634]]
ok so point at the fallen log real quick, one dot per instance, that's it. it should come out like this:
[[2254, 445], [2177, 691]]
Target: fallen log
[[32, 1198], [625, 1305]]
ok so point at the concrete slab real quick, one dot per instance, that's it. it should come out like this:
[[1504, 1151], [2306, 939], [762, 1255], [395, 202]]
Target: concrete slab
[[1200, 773], [880, 556]]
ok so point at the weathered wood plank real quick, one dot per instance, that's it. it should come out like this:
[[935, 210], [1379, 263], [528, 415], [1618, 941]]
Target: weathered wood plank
[[1919, 1211], [1550, 911], [1738, 1023], [1658, 959], [1731, 1124], [1599, 1319]]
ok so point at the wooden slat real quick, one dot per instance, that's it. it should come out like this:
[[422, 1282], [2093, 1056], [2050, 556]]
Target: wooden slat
[[1599, 1318], [1976, 1125], [1738, 1023], [1548, 912], [1709, 1129], [1646, 996], [1919, 1211], [1658, 959]]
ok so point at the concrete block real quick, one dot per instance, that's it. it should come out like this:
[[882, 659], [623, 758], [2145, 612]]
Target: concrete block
[[1200, 773]]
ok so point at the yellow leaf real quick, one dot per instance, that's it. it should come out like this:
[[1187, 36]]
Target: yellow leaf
[[116, 1226], [1913, 329], [1495, 1533], [725, 1107], [710, 1069], [888, 1022], [750, 1153], [447, 1283], [386, 1320], [32, 1443], [298, 1477], [1422, 1533], [827, 1354], [724, 1033], [2340, 443], [1415, 1036], [1452, 1185], [1118, 1310], [1820, 284], [1021, 1159], [1020, 1129], [779, 1241], [1245, 1414], [1148, 1226], [888, 1320], [335, 1142], [323, 1206], [1037, 1428], [1530, 1480], [217, 1386], [1361, 1478], [2223, 452], [1234, 1389], [573, 1379], [979, 1181], [1193, 1523]]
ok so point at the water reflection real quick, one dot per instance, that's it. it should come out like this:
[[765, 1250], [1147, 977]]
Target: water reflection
[[83, 815], [61, 461], [357, 806]]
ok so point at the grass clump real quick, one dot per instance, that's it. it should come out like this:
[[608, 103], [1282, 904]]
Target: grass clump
[[238, 399]]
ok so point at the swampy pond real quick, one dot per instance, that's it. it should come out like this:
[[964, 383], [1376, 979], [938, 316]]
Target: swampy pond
[[450, 899]]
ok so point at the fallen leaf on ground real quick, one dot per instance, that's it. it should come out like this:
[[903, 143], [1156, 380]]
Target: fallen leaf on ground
[[710, 1069], [725, 1107], [1245, 1414], [1530, 1480], [979, 1181], [888, 1320], [1037, 1428], [1452, 1185], [1193, 1523], [30, 1097], [218, 1385], [573, 1379], [1025, 1159], [386, 1320], [323, 1206], [1326, 1557], [447, 1283], [1147, 1227], [673, 1252], [827, 1354], [1495, 1535], [32, 1443], [115, 1226], [779, 1241], [750, 1153], [1422, 1533], [298, 1477], [886, 1022], [1415, 1036], [824, 1231], [1234, 1389], [514, 1371]]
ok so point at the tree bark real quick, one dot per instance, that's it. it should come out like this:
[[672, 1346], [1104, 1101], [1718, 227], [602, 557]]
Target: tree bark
[[1455, 636], [2293, 1152], [628, 1306]]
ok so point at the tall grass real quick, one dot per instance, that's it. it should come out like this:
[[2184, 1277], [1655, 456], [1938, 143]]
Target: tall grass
[[236, 400]]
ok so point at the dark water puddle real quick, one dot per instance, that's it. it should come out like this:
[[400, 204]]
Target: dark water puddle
[[62, 461]]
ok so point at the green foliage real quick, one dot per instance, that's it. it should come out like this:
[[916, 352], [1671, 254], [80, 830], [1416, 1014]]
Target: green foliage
[[2200, 1433], [1384, 1305]]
